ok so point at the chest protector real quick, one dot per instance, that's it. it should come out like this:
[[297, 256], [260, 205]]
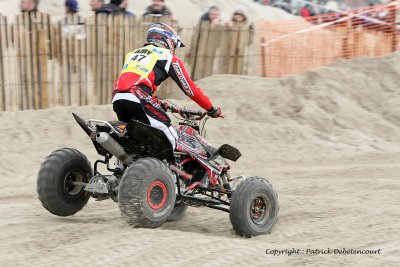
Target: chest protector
[[142, 60]]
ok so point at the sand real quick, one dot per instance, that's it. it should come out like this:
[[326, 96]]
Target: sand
[[187, 11], [328, 141]]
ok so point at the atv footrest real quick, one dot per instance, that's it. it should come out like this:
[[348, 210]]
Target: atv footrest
[[201, 200]]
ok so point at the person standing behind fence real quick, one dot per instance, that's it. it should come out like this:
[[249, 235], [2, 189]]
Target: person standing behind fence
[[305, 12], [213, 15], [236, 41], [239, 16], [158, 8], [124, 6], [206, 41], [239, 21], [71, 6], [29, 5], [96, 4], [112, 8]]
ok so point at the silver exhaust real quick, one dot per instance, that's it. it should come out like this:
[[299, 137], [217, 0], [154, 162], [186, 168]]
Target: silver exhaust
[[112, 146]]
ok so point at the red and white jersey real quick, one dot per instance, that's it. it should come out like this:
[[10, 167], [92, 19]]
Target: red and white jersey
[[150, 66]]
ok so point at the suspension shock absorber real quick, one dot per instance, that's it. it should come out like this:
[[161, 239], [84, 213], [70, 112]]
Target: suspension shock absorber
[[225, 179], [228, 176]]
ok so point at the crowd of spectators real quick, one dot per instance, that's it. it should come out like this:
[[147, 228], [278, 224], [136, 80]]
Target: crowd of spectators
[[309, 8], [304, 8], [156, 8]]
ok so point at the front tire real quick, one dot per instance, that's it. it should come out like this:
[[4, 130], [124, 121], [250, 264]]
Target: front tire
[[146, 195], [254, 207], [54, 183]]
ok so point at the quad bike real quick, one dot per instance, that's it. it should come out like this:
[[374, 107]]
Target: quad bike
[[158, 183]]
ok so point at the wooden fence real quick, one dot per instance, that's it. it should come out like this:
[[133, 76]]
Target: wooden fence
[[74, 61]]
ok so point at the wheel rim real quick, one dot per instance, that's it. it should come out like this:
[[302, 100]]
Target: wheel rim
[[260, 209], [69, 186], [157, 195]]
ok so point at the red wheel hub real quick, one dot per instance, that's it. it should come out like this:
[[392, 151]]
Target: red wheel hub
[[157, 195]]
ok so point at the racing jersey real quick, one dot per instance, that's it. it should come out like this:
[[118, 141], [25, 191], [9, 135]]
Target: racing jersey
[[149, 66]]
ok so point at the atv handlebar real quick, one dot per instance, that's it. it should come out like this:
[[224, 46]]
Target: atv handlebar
[[185, 113]]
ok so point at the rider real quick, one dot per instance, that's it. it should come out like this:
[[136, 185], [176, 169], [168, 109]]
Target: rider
[[144, 70]]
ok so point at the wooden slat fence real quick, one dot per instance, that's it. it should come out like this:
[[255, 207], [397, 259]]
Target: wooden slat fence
[[74, 61]]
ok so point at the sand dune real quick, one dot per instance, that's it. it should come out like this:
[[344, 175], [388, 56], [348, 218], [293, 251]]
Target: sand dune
[[328, 141]]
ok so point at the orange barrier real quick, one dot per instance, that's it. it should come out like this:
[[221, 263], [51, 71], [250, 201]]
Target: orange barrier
[[294, 47]]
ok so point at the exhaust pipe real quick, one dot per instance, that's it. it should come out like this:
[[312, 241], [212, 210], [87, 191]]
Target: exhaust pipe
[[112, 146]]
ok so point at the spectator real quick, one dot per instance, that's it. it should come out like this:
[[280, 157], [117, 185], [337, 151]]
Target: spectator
[[29, 5], [112, 8], [71, 6], [239, 15], [124, 6], [96, 4], [239, 18], [305, 12], [158, 8], [213, 15], [282, 5], [209, 29], [240, 23]]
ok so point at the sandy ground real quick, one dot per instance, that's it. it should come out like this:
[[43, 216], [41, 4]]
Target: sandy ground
[[187, 11], [328, 141]]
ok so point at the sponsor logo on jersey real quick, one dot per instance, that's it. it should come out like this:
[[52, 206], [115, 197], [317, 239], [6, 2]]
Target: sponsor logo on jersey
[[182, 79], [155, 50], [143, 51], [142, 68]]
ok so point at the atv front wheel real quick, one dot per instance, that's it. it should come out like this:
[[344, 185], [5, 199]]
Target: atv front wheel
[[55, 186], [254, 207], [146, 194]]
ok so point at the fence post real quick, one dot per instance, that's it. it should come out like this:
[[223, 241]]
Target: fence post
[[346, 36], [393, 17], [263, 65], [196, 43], [3, 23], [43, 54]]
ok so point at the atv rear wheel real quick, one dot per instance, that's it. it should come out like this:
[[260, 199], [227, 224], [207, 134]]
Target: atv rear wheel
[[54, 183], [254, 207], [146, 195], [177, 213]]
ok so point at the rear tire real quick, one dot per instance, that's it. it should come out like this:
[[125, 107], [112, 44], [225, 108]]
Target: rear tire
[[54, 187], [177, 213], [254, 207], [146, 195]]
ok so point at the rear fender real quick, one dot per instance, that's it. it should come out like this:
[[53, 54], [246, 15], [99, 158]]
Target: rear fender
[[153, 141], [100, 150]]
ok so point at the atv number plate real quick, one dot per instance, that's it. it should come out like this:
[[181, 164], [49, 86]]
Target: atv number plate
[[100, 188]]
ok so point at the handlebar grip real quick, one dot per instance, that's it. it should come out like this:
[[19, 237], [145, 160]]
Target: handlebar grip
[[183, 111], [174, 109], [191, 112]]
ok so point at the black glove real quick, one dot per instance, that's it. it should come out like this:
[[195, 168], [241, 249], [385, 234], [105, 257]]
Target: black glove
[[214, 112]]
